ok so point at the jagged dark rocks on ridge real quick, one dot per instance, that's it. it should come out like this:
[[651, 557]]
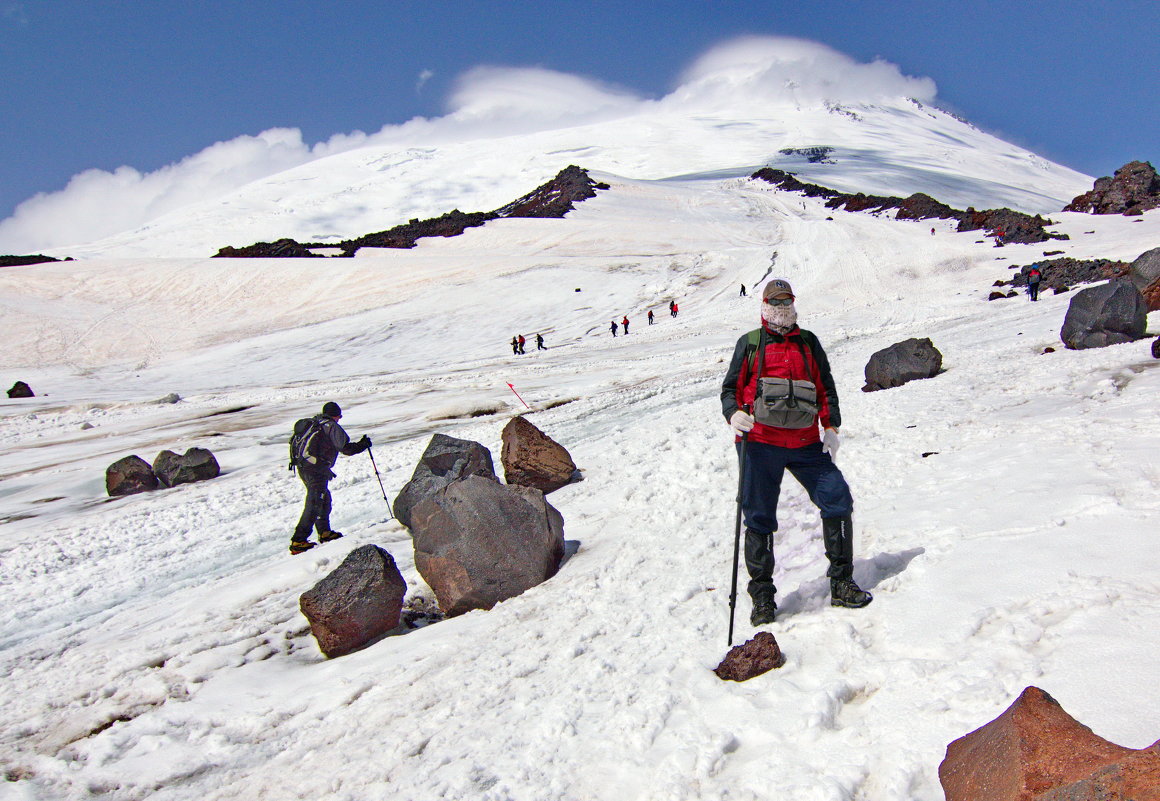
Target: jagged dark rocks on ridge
[[1016, 227], [1067, 272], [1134, 189], [21, 261], [554, 199]]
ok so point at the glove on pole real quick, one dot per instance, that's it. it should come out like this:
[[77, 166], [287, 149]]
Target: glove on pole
[[371, 454], [737, 533]]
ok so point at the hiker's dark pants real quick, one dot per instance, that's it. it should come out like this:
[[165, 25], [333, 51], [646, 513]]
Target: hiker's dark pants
[[760, 487], [1033, 290], [316, 512]]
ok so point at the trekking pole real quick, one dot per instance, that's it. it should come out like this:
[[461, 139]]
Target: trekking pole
[[371, 454], [737, 532]]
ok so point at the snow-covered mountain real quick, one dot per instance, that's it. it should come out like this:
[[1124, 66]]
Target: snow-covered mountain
[[1005, 510]]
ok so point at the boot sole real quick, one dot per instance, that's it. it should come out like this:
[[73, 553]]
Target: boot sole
[[849, 604]]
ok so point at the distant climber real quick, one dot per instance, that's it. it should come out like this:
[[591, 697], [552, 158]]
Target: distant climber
[[515, 346], [624, 323], [540, 342], [1033, 279], [613, 327], [314, 448], [743, 290], [650, 317], [522, 342]]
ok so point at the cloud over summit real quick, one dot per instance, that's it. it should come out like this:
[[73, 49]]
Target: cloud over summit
[[485, 101]]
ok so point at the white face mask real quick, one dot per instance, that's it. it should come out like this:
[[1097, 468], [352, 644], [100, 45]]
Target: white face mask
[[779, 318]]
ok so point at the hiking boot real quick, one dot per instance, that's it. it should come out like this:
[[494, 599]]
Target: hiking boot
[[300, 546], [844, 592], [764, 611], [327, 536]]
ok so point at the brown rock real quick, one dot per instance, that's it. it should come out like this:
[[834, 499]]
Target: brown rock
[[531, 458], [196, 464], [1145, 275], [1134, 189], [1156, 348], [129, 476], [446, 459], [1035, 751], [360, 600], [478, 542], [760, 655]]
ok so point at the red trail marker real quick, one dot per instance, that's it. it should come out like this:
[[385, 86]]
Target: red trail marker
[[524, 402]]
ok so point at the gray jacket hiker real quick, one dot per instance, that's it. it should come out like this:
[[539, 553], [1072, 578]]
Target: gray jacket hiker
[[326, 439]]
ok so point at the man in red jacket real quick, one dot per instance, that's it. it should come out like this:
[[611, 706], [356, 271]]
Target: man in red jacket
[[781, 373]]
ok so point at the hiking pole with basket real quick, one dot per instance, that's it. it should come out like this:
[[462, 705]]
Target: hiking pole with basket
[[737, 532], [371, 454]]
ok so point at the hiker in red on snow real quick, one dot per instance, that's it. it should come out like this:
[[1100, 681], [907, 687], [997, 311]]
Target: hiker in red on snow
[[781, 372]]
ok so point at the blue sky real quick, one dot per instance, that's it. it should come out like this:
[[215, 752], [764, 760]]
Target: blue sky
[[104, 83]]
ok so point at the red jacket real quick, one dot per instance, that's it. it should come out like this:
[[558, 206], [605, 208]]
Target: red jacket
[[783, 359]]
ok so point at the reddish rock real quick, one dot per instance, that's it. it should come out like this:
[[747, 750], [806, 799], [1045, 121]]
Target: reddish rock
[[1145, 275], [760, 655], [1134, 189], [360, 600], [531, 458], [479, 542], [129, 476], [21, 390], [1035, 751]]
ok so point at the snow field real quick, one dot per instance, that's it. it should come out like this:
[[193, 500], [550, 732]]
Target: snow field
[[154, 645]]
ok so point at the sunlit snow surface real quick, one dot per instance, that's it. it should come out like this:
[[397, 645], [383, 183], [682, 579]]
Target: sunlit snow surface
[[152, 645]]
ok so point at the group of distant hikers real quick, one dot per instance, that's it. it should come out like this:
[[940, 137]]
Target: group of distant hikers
[[779, 398], [518, 343], [674, 310]]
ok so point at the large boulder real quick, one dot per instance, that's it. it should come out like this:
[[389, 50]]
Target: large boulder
[[196, 464], [1035, 751], [479, 542], [359, 600], [1145, 275], [904, 361], [531, 458], [21, 390], [1108, 314], [446, 459], [129, 476], [1134, 189]]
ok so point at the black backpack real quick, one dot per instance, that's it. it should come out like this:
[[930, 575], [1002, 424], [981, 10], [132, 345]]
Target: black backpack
[[302, 442]]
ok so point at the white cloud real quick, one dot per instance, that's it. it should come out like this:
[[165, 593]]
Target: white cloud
[[424, 77], [786, 70], [485, 101]]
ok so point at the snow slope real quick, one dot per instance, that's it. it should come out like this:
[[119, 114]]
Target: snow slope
[[153, 645]]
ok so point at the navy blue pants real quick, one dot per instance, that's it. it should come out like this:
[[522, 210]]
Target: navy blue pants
[[815, 471]]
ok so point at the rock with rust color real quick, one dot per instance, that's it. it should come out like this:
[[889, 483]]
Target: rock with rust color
[[760, 655], [531, 458], [1145, 275], [21, 390], [196, 464], [360, 600], [479, 542], [1035, 751], [1134, 189], [446, 459], [129, 476]]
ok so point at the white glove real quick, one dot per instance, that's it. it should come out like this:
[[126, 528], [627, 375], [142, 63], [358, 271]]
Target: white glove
[[831, 443], [741, 422]]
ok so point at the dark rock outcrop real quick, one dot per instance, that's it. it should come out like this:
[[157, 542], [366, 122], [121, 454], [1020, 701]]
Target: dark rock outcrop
[[1145, 275], [478, 542], [1156, 348], [1035, 751], [129, 476], [196, 464], [21, 390], [760, 655], [553, 199], [531, 458], [280, 249], [909, 360], [1067, 272], [1134, 189], [360, 600], [1006, 225], [21, 261], [1108, 314], [446, 459]]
